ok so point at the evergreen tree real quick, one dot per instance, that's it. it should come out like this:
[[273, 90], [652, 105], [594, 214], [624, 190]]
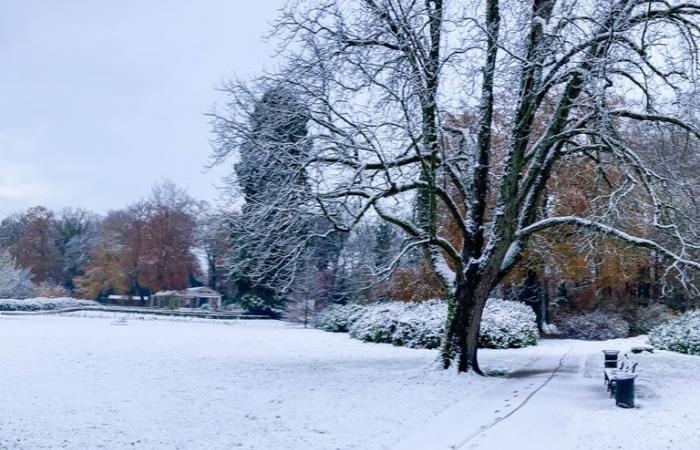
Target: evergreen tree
[[272, 231]]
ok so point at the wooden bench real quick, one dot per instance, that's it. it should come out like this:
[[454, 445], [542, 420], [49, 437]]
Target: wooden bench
[[627, 367]]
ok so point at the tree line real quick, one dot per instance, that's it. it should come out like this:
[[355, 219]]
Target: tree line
[[148, 246]]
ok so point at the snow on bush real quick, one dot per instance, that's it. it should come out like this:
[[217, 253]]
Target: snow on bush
[[508, 324], [421, 325], [680, 334], [43, 304], [415, 325], [338, 318], [645, 319], [377, 323], [597, 325]]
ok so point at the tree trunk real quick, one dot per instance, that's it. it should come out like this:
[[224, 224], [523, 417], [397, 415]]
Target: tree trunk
[[460, 345]]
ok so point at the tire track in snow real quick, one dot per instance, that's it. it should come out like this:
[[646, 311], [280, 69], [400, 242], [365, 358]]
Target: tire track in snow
[[498, 420]]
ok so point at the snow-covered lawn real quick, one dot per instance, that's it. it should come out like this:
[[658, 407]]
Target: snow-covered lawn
[[84, 383]]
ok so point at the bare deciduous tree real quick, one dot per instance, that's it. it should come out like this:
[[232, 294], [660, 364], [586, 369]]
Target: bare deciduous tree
[[384, 82]]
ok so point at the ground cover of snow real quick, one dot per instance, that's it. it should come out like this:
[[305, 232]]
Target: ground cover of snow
[[85, 381]]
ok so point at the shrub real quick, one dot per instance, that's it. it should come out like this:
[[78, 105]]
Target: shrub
[[508, 324], [597, 325], [645, 319], [680, 334], [377, 323], [43, 304], [421, 325], [415, 325], [338, 318]]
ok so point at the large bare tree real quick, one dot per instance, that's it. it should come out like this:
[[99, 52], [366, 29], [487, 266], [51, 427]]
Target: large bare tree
[[467, 109]]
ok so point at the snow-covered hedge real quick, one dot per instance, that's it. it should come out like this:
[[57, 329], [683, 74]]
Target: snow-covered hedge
[[421, 325], [338, 318], [377, 323], [415, 325], [646, 318], [508, 324], [595, 325], [680, 334], [43, 304]]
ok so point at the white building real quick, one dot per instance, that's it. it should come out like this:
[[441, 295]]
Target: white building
[[187, 298]]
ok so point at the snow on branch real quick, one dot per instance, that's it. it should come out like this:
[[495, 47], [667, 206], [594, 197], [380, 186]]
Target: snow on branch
[[658, 118], [607, 230]]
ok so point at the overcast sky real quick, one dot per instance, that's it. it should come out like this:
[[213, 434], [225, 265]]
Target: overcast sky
[[100, 98]]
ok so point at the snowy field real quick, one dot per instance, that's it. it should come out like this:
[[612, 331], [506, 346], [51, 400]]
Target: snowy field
[[85, 383]]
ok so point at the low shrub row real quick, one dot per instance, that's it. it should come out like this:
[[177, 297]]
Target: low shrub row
[[680, 334], [601, 325], [595, 325], [645, 319], [505, 324], [43, 304]]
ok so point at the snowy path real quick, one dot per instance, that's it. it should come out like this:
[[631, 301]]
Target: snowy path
[[573, 411], [466, 422], [558, 402], [546, 416]]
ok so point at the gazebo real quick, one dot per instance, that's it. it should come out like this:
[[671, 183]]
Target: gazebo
[[197, 296], [188, 298]]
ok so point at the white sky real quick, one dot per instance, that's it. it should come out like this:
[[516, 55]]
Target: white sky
[[101, 98]]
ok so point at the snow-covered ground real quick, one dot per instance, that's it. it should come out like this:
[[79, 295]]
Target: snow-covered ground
[[86, 383]]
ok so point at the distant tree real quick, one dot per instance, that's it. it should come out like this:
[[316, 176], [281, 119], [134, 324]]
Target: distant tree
[[15, 281], [386, 243], [105, 274], [11, 230], [36, 248], [170, 228], [214, 237], [75, 233], [127, 230], [147, 247]]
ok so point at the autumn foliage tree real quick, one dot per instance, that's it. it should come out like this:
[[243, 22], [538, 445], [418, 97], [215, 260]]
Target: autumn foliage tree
[[147, 247]]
